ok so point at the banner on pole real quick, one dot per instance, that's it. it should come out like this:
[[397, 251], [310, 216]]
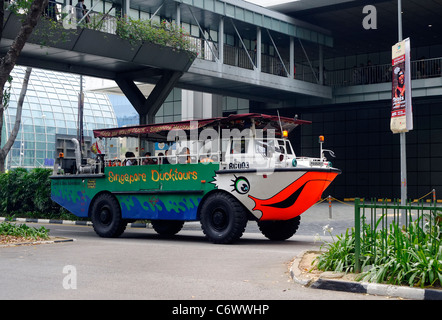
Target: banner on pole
[[402, 111]]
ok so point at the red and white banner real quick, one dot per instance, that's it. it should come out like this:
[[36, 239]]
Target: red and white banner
[[402, 111]]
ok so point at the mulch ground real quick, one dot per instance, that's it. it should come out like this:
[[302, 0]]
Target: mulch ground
[[14, 240]]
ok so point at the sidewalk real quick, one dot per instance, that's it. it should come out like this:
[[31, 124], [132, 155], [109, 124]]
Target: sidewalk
[[301, 274], [341, 217]]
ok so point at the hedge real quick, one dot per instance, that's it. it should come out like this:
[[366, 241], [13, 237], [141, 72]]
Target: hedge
[[26, 193]]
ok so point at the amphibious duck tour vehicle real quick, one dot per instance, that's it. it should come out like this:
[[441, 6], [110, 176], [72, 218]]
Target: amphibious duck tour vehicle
[[222, 172]]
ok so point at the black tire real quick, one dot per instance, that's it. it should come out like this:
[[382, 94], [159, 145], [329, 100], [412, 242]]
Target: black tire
[[279, 230], [167, 228], [223, 218], [106, 216]]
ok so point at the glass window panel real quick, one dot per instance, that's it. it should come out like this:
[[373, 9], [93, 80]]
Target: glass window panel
[[108, 121], [28, 128], [51, 136], [31, 91], [26, 113], [134, 14], [39, 124], [72, 131], [53, 96], [50, 130], [50, 146], [65, 103], [50, 123], [57, 109], [46, 108], [27, 144], [29, 160], [168, 108], [36, 113], [71, 124], [15, 152], [177, 107], [58, 116], [40, 146], [70, 116], [92, 119], [177, 94], [60, 123], [168, 119]]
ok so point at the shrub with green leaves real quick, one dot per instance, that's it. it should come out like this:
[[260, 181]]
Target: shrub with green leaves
[[23, 193], [401, 256], [23, 230], [162, 33]]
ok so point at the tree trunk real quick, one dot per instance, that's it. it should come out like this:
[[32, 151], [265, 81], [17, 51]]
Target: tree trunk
[[8, 61], [8, 145]]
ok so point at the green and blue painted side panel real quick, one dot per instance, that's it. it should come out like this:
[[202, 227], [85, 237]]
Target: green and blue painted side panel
[[167, 192]]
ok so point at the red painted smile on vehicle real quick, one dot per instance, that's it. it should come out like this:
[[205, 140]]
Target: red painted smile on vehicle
[[296, 197]]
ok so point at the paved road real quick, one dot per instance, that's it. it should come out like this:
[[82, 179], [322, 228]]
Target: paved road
[[141, 265]]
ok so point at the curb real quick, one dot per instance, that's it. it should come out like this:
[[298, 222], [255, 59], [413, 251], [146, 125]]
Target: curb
[[361, 287], [68, 222]]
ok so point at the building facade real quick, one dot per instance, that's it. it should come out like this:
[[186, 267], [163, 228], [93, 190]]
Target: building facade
[[50, 110]]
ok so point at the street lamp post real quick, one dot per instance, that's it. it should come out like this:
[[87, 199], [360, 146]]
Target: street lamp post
[[403, 145]]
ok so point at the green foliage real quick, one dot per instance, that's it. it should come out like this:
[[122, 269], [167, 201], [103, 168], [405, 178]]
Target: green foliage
[[22, 230], [162, 33], [401, 256], [27, 193], [340, 254], [7, 92]]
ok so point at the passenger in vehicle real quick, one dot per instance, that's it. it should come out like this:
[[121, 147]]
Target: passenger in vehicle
[[160, 158], [148, 159], [166, 157], [130, 159], [185, 156]]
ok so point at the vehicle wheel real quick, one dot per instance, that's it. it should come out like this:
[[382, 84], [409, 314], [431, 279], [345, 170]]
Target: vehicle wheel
[[106, 217], [223, 218], [167, 227], [279, 230]]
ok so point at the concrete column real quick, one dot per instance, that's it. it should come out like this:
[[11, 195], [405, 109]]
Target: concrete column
[[198, 105], [221, 41], [321, 65], [126, 8], [292, 58], [178, 14], [258, 49]]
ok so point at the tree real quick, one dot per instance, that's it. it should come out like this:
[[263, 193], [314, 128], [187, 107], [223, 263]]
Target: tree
[[8, 61]]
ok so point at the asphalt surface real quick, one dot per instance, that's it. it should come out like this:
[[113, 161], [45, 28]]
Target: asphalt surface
[[309, 237]]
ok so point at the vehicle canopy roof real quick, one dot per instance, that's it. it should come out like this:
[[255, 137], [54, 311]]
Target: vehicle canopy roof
[[159, 132]]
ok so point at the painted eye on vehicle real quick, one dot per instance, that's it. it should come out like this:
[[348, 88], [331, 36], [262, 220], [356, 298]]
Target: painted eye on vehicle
[[241, 185]]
